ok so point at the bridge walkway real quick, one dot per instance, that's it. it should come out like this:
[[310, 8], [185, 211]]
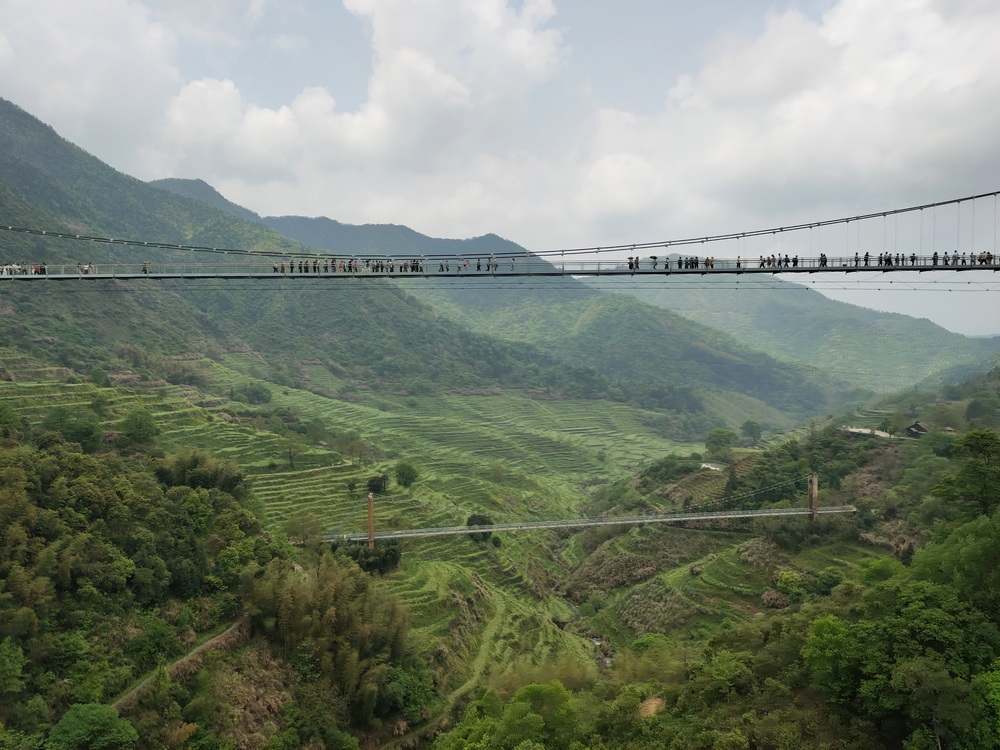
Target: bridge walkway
[[567, 523]]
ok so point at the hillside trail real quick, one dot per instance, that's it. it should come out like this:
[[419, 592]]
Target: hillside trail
[[174, 665], [478, 667]]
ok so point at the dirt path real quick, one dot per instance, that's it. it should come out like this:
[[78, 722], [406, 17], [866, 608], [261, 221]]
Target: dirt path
[[218, 641], [485, 649], [478, 668]]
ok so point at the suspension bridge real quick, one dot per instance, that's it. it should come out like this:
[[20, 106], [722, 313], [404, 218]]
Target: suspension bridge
[[528, 266], [570, 523], [957, 235], [713, 510]]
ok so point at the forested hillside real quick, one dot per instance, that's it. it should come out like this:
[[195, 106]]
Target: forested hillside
[[879, 351], [116, 571], [172, 455], [875, 351], [798, 635], [366, 334]]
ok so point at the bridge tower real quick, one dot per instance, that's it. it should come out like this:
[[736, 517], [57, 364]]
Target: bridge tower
[[813, 486], [371, 520]]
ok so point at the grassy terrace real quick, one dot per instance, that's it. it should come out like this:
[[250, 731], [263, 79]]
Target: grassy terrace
[[476, 609]]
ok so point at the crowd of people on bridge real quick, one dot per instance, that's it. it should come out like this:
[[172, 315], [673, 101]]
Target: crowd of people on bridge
[[965, 259], [379, 265], [460, 265], [24, 269]]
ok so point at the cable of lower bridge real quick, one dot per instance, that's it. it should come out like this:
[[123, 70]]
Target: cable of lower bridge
[[744, 495], [350, 514]]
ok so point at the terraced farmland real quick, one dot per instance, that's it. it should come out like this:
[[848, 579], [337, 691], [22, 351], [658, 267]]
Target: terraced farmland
[[504, 454]]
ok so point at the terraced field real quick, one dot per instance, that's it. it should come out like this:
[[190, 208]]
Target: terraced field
[[33, 390], [485, 607]]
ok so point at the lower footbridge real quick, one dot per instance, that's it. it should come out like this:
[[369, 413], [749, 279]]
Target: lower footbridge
[[569, 523]]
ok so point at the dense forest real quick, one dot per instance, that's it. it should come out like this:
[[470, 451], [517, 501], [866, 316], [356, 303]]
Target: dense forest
[[114, 568]]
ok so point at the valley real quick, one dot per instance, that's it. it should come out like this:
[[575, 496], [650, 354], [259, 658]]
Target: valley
[[173, 455]]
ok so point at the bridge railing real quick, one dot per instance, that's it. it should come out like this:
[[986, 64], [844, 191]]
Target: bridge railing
[[518, 266], [583, 522]]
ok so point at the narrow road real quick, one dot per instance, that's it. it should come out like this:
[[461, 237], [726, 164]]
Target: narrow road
[[207, 645], [475, 678]]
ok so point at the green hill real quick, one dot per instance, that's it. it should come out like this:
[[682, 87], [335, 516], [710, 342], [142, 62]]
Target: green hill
[[365, 334], [879, 351]]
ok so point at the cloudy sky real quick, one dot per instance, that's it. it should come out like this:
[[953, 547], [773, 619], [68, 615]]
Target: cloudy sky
[[553, 123]]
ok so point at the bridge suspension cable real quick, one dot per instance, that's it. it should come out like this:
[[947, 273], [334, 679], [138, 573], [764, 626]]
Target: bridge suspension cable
[[595, 250]]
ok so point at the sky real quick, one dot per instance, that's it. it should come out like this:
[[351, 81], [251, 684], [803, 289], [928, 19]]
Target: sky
[[552, 123]]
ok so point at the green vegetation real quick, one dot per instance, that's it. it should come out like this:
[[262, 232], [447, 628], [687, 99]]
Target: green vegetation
[[113, 568], [879, 352], [860, 654], [171, 458]]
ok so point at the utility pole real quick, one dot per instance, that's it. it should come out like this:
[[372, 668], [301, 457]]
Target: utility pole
[[371, 520], [813, 495]]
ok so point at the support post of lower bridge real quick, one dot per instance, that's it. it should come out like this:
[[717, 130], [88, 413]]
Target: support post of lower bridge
[[371, 520], [813, 495]]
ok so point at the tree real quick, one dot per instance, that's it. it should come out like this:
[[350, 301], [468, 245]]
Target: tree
[[831, 655], [983, 409], [75, 426], [138, 427], [790, 584], [12, 661], [720, 440], [92, 726], [918, 646], [250, 393], [99, 376], [10, 420], [292, 448], [479, 519], [378, 483], [406, 474], [979, 476], [982, 444], [751, 431], [966, 561]]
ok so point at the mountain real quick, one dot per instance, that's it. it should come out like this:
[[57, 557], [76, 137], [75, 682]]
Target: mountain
[[624, 340], [869, 349], [202, 191], [368, 336]]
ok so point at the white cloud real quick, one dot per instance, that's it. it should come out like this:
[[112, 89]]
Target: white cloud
[[449, 77], [465, 129], [97, 71]]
